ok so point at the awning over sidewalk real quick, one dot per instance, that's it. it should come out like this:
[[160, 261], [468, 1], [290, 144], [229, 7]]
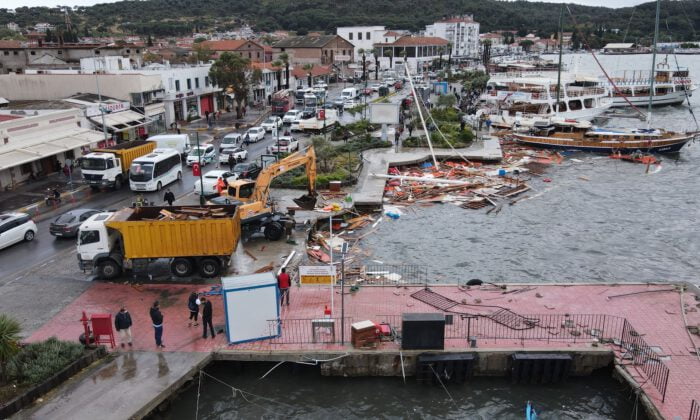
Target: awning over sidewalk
[[121, 121], [52, 145], [155, 109]]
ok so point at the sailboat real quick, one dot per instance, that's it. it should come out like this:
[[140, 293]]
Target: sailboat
[[581, 135]]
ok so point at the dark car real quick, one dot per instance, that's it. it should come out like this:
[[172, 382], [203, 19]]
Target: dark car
[[67, 224], [249, 170], [307, 113]]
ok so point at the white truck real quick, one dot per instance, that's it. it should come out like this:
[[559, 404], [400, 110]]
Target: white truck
[[179, 142], [324, 120], [349, 93], [109, 167]]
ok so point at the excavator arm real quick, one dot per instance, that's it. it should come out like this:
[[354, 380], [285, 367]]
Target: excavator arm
[[295, 160]]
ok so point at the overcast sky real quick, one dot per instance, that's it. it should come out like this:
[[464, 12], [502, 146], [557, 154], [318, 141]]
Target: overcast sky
[[11, 4]]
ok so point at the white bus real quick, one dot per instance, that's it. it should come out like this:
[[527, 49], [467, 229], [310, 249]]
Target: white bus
[[155, 170]]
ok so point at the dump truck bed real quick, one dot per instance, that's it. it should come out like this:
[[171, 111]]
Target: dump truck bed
[[145, 236], [129, 151]]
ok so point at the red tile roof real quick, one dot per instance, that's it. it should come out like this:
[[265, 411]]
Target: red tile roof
[[261, 66], [299, 72], [228, 44], [10, 44], [457, 20], [392, 33]]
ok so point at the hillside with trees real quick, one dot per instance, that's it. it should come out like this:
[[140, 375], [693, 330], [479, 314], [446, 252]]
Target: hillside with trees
[[180, 17]]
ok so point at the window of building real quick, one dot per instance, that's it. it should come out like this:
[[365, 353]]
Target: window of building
[[32, 52], [350, 36], [189, 84], [258, 54], [250, 55], [359, 36], [177, 85], [128, 51], [15, 53], [60, 51], [367, 36], [206, 81], [6, 52], [97, 52], [196, 82], [138, 51]]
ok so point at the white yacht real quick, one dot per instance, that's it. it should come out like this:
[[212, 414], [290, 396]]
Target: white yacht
[[530, 97], [670, 86]]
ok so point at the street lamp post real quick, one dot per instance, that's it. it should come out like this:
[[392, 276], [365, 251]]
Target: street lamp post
[[201, 181]]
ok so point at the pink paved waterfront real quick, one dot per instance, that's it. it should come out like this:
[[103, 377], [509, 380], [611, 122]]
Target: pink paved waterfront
[[655, 317]]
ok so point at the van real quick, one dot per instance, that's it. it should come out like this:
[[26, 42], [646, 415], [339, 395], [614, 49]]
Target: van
[[349, 93], [230, 140], [179, 142], [155, 170]]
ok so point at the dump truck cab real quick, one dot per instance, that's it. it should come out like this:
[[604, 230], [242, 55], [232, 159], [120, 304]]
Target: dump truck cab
[[95, 243]]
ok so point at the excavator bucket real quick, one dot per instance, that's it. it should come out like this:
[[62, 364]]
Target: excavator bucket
[[306, 201]]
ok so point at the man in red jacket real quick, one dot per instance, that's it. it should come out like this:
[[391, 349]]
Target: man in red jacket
[[283, 283]]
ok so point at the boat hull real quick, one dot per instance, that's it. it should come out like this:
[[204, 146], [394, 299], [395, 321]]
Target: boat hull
[[656, 146], [673, 98]]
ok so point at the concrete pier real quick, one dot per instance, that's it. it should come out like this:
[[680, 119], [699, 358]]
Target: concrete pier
[[370, 190]]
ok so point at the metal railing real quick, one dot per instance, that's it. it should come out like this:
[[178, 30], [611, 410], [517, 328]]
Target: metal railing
[[694, 410], [387, 275], [575, 328], [636, 349]]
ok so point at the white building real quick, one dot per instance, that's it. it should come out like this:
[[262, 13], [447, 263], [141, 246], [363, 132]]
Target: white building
[[43, 27], [13, 27], [460, 31], [36, 142], [187, 91], [362, 37]]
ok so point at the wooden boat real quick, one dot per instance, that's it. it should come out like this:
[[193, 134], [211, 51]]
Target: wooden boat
[[581, 135]]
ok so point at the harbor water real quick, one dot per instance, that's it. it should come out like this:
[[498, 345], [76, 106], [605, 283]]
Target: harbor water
[[300, 392], [598, 220]]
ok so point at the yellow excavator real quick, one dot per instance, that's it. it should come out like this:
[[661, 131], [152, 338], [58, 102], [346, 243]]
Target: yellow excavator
[[257, 216]]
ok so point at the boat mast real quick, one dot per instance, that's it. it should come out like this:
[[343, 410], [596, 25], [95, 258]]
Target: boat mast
[[561, 43], [653, 61]]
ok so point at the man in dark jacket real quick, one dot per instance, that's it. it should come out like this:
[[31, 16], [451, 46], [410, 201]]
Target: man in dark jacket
[[169, 197], [207, 317], [231, 161], [157, 319], [122, 322]]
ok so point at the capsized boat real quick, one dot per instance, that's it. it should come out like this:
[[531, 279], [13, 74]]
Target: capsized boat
[[582, 135]]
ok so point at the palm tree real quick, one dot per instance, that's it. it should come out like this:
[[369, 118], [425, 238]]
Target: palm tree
[[375, 53], [309, 76], [9, 342], [284, 58], [390, 53], [442, 51], [449, 58], [278, 65], [364, 63]]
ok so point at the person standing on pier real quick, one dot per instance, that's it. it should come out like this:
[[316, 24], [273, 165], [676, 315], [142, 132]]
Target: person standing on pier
[[207, 314], [283, 283], [157, 319], [122, 323], [193, 305]]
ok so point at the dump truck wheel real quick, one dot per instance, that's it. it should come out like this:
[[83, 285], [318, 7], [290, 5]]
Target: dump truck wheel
[[182, 267], [274, 231], [118, 183], [209, 267], [108, 270]]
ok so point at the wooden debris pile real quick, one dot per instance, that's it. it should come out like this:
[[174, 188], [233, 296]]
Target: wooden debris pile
[[191, 213]]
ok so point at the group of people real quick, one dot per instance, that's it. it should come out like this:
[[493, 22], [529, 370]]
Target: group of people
[[123, 321]]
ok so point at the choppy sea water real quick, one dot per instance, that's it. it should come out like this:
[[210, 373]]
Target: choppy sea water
[[598, 220]]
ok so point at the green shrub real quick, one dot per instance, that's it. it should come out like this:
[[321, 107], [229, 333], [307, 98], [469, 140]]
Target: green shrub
[[445, 114], [37, 362]]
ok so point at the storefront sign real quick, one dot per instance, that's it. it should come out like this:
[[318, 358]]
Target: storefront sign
[[95, 110], [316, 274]]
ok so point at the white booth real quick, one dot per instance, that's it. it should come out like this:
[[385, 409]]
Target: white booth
[[251, 302]]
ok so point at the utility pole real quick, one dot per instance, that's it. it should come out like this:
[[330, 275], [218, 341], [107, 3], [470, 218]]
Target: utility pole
[[201, 181]]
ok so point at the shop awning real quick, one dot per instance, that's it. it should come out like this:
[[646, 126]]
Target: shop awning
[[13, 156], [122, 121], [155, 109]]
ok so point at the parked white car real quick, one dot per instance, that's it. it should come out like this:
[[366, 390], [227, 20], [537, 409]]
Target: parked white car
[[389, 82], [16, 227], [295, 125], [210, 179], [255, 134], [204, 154], [238, 154], [350, 104], [375, 87], [230, 140], [321, 85], [290, 116], [287, 144], [271, 122]]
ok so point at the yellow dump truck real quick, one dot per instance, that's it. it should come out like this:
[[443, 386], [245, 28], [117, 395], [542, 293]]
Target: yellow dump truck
[[108, 167], [192, 239]]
